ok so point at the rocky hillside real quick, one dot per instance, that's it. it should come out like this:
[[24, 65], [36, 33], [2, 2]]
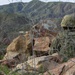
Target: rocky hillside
[[28, 55]]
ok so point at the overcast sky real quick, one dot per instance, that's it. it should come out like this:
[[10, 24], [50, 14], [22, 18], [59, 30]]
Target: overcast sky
[[2, 2]]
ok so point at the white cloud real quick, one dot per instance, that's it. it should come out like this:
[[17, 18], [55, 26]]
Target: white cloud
[[2, 2]]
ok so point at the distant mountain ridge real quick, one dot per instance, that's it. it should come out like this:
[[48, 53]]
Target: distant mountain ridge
[[38, 9]]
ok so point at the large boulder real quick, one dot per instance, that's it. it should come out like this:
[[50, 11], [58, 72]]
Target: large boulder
[[42, 46], [44, 34], [20, 46], [67, 68], [17, 44]]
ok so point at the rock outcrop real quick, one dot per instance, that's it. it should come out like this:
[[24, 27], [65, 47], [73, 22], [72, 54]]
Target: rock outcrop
[[19, 49], [41, 41], [37, 40], [39, 63], [67, 68]]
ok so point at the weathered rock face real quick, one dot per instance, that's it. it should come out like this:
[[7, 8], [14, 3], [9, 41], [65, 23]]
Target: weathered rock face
[[43, 38], [20, 45], [44, 34], [40, 36], [38, 63], [42, 44], [67, 68], [17, 44]]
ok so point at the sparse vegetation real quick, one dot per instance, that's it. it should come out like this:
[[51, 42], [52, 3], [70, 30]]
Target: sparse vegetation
[[17, 17]]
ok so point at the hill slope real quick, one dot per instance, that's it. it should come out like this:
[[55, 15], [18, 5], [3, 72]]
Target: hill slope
[[13, 23], [17, 16], [37, 9]]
